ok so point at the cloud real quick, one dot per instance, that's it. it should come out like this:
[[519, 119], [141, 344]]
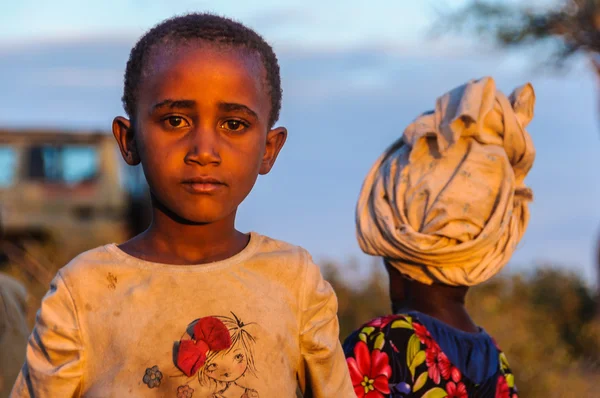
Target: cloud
[[76, 77], [282, 18]]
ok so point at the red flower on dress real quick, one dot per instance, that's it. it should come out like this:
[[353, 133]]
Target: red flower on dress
[[456, 390], [369, 372], [382, 321], [455, 374], [210, 334], [444, 365], [502, 389], [423, 334], [432, 362], [447, 370]]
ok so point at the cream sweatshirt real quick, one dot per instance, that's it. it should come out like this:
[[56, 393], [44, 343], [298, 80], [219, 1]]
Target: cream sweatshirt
[[258, 324]]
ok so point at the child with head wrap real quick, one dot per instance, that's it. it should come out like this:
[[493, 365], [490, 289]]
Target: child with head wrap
[[445, 206]]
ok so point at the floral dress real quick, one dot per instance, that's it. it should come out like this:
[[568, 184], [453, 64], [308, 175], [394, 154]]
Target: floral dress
[[414, 355]]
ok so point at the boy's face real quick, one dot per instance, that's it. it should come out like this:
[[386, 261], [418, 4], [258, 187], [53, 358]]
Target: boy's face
[[201, 131]]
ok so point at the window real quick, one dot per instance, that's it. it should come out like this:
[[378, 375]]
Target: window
[[8, 164], [79, 163], [70, 164]]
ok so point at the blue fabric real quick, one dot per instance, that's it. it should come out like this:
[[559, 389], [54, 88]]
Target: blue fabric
[[474, 354]]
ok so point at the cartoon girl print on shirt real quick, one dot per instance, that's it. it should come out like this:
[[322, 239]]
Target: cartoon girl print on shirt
[[219, 350]]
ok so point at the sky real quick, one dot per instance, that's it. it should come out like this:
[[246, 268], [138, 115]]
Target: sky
[[355, 74], [308, 22]]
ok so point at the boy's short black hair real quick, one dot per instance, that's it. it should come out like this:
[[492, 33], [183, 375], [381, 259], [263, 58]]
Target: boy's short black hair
[[207, 27]]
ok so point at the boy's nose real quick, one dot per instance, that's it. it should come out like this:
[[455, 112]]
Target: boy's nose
[[203, 147]]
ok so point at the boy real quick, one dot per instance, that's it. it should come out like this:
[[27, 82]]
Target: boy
[[192, 307]]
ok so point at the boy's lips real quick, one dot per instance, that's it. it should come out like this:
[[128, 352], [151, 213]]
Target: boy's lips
[[203, 184]]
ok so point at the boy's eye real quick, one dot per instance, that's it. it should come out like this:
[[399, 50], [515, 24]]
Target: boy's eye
[[234, 125], [176, 122], [239, 357]]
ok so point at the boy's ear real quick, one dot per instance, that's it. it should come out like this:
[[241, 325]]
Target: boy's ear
[[275, 140], [124, 134]]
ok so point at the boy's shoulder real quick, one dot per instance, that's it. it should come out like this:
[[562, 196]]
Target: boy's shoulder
[[271, 245], [275, 247], [90, 260], [285, 255], [291, 265]]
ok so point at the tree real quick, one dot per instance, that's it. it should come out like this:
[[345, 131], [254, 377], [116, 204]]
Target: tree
[[571, 27]]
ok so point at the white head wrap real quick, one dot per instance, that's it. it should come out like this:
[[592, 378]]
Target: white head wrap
[[446, 203]]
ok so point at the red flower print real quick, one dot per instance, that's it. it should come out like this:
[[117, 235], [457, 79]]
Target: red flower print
[[455, 374], [502, 389], [456, 390], [444, 365], [447, 370], [432, 362], [369, 372], [422, 334], [383, 321], [210, 334]]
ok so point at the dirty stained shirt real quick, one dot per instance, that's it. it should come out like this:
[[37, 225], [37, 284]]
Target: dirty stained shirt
[[259, 324]]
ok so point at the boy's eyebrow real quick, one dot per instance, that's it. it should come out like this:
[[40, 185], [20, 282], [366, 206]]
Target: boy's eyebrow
[[179, 104], [232, 107]]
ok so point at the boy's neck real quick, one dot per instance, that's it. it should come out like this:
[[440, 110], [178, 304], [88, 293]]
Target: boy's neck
[[170, 241]]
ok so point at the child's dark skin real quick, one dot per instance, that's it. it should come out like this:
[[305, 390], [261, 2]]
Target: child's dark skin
[[443, 302], [201, 133]]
